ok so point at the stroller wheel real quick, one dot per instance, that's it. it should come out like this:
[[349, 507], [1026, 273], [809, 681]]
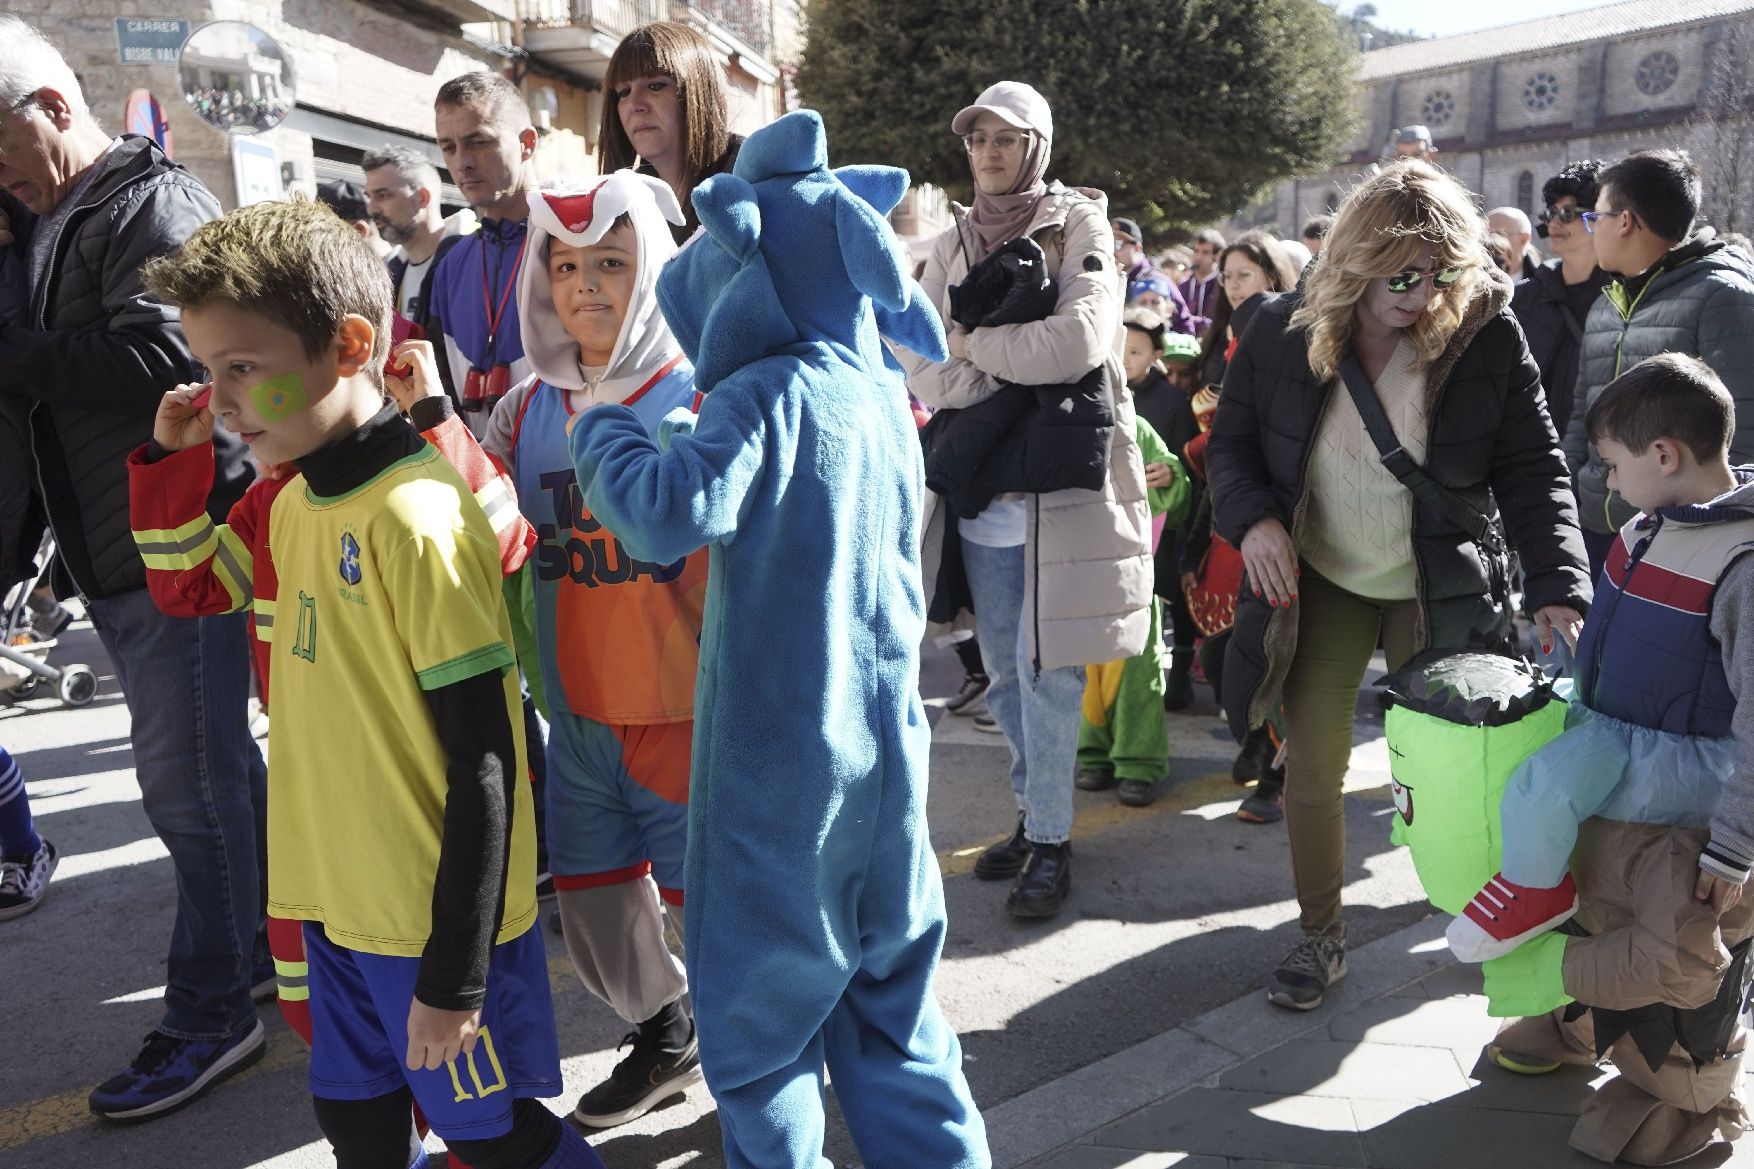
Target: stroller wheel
[[78, 685], [25, 687]]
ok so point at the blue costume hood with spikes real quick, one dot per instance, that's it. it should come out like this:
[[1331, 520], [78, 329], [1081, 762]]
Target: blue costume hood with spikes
[[815, 908]]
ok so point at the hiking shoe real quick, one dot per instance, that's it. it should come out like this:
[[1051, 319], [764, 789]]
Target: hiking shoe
[[1042, 886], [973, 687], [24, 882], [1503, 916], [1004, 860], [171, 1073], [1094, 779], [639, 1083], [1262, 806], [984, 721], [1303, 978], [1137, 793]]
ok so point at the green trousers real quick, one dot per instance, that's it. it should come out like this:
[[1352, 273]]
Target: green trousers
[[1122, 728]]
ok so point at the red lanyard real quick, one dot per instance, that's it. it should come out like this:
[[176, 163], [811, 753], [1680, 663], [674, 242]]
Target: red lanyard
[[495, 316]]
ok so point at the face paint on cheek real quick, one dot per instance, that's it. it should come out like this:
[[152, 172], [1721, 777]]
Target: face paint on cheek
[[279, 398]]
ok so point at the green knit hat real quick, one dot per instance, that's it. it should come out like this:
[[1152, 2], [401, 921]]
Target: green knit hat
[[1180, 347]]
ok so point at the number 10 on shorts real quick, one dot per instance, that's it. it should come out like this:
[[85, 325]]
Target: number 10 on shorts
[[483, 1044]]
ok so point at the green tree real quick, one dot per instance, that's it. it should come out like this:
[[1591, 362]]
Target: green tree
[[1181, 110]]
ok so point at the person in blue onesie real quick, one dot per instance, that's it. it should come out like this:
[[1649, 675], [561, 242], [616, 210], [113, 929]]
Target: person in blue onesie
[[815, 906]]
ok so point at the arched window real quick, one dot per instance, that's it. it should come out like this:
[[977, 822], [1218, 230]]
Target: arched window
[[1525, 192], [1332, 203]]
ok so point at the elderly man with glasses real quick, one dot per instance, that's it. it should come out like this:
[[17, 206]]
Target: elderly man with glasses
[[86, 365]]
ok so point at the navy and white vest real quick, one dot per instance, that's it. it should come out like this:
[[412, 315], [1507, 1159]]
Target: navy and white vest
[[1646, 655]]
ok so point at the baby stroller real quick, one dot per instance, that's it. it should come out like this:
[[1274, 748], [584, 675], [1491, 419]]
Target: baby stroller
[[24, 666]]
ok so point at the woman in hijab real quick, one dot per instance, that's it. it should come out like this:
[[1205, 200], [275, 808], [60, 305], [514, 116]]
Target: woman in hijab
[[1057, 579]]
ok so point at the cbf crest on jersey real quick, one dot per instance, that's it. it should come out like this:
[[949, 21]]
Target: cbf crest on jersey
[[350, 570]]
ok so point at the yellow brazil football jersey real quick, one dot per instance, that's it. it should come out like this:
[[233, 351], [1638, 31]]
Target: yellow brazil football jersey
[[385, 592]]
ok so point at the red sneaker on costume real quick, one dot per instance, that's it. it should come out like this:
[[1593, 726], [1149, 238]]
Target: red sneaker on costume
[[1503, 916]]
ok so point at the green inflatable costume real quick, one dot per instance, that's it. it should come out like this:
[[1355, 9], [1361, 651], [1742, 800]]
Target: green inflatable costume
[[1458, 724]]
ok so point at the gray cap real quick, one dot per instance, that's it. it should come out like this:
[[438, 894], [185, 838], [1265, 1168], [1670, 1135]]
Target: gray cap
[[1018, 104], [1411, 134]]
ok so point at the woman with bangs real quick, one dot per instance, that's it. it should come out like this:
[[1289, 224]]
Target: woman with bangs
[[1254, 264], [665, 110], [1338, 551]]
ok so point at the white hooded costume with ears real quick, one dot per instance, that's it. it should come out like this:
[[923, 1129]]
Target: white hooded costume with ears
[[581, 213]]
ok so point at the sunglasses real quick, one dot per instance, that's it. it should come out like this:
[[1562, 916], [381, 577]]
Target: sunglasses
[[1412, 278], [1561, 214], [1589, 218]]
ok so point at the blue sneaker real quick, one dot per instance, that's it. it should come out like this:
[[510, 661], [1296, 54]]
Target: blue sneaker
[[169, 1073]]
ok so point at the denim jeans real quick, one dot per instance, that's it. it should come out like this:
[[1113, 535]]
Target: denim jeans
[[203, 785], [1039, 716]]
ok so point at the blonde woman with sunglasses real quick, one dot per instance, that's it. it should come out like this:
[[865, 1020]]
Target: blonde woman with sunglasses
[[1339, 552]]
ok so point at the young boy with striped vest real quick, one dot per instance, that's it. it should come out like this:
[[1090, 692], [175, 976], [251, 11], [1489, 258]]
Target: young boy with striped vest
[[1648, 796]]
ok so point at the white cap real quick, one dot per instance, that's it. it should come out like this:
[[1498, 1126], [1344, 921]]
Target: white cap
[[1018, 104]]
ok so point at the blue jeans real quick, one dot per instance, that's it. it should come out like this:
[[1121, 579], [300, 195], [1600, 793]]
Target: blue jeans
[[1039, 716], [204, 786]]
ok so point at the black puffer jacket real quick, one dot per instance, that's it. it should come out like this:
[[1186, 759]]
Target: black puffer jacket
[[1490, 441], [21, 522], [97, 354], [1031, 439], [1542, 305]]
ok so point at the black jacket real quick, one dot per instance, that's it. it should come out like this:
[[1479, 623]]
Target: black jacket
[[1171, 414], [21, 523], [95, 356], [1490, 441], [1542, 305], [1031, 439], [398, 264]]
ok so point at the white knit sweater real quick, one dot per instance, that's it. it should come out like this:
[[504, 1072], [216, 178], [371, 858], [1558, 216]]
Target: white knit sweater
[[1358, 529]]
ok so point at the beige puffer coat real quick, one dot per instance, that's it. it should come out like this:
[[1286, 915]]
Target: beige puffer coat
[[1087, 589]]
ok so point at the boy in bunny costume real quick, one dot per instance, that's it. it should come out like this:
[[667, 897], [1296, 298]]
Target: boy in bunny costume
[[816, 912], [617, 636]]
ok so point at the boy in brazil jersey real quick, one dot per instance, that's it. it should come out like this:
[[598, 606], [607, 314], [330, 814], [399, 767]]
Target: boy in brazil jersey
[[400, 831]]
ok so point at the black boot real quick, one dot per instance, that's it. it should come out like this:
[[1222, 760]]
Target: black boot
[[1004, 860], [1178, 691], [1254, 758], [1042, 886]]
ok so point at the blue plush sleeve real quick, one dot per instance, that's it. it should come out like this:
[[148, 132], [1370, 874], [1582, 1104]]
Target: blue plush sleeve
[[664, 504]]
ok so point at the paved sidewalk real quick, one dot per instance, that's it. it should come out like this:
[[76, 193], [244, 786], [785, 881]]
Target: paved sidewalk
[[1389, 1074]]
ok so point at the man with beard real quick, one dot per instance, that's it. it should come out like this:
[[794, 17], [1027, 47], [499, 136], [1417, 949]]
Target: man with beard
[[402, 196]]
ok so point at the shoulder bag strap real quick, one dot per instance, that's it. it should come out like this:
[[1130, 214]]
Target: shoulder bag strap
[[1437, 498]]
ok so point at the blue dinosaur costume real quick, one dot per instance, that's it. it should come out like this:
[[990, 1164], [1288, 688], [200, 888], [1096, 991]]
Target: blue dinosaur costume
[[816, 910]]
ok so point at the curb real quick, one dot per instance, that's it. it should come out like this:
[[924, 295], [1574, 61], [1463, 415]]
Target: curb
[[1063, 1111]]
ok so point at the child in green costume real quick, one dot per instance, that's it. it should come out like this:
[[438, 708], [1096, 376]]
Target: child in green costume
[[1123, 741]]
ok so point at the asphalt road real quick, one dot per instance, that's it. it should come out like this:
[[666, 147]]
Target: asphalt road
[[1176, 909]]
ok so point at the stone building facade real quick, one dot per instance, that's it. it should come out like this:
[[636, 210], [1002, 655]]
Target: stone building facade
[[365, 74], [1509, 107]]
